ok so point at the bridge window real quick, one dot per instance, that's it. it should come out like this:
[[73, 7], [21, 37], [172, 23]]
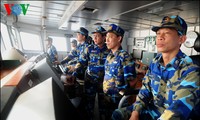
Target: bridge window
[[59, 43], [5, 37], [30, 41]]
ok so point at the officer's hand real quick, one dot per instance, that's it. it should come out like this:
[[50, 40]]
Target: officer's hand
[[68, 79], [121, 92], [71, 68], [134, 115]]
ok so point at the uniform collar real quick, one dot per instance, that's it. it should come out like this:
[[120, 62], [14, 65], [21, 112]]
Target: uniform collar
[[117, 52], [82, 44], [104, 47], [174, 62]]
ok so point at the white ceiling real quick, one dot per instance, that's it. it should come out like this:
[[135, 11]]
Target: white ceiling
[[127, 14]]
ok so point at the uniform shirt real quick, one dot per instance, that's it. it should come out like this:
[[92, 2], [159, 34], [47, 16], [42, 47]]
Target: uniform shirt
[[77, 53], [70, 56], [52, 53], [94, 58], [174, 87], [119, 69]]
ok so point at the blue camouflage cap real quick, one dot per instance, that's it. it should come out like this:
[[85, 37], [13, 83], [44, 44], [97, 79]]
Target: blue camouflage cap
[[99, 29], [74, 42], [115, 29], [172, 22], [83, 31], [49, 39]]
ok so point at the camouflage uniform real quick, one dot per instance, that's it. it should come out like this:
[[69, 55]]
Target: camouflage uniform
[[52, 53], [94, 58], [77, 53], [80, 48], [169, 92], [73, 54], [80, 75], [119, 69]]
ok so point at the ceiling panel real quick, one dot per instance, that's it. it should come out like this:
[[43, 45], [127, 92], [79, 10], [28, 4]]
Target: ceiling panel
[[58, 6], [128, 14]]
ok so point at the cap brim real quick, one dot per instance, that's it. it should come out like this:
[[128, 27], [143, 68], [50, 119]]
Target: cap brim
[[93, 32], [156, 28], [77, 32], [104, 32], [98, 32], [80, 33], [114, 32]]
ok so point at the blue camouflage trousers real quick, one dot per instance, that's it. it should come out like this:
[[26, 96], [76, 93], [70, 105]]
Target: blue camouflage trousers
[[92, 86]]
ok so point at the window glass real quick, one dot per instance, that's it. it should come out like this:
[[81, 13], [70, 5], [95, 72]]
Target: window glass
[[59, 43], [2, 46], [5, 36], [30, 41]]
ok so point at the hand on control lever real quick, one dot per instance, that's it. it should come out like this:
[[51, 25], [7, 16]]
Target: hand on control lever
[[68, 79], [71, 68]]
